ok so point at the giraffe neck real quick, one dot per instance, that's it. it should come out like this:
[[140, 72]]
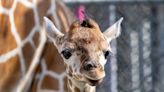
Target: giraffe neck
[[74, 85]]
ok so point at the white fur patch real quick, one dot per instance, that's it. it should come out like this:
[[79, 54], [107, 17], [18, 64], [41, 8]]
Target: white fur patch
[[102, 60]]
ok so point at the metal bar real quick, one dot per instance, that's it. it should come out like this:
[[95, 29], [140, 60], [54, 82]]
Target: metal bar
[[112, 18]]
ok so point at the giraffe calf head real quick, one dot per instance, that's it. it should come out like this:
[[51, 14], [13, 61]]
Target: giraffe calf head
[[84, 48]]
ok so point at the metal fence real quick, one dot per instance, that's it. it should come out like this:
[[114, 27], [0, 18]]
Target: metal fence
[[138, 61]]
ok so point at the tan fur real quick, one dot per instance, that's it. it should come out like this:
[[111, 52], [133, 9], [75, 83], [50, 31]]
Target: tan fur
[[86, 42]]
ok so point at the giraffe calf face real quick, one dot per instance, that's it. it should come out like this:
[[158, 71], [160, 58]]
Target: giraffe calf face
[[85, 60], [84, 49], [86, 52]]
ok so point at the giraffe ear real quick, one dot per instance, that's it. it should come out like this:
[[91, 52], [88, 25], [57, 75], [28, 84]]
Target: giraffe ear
[[52, 32], [114, 31]]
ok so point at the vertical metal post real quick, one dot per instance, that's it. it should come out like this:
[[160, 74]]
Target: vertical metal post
[[113, 65], [147, 65], [134, 42]]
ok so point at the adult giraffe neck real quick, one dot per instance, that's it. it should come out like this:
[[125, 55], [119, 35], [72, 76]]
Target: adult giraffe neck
[[18, 47]]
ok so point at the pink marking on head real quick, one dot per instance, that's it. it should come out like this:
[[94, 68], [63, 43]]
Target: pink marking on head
[[80, 13]]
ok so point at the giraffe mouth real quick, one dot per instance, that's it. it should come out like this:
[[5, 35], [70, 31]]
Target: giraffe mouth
[[94, 82]]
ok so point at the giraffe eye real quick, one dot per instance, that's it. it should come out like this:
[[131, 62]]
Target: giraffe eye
[[107, 53], [66, 53]]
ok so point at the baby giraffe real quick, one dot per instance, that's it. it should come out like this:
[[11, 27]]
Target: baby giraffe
[[84, 49]]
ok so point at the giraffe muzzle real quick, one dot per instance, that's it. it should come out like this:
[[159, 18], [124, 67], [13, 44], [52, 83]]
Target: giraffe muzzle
[[94, 82], [93, 74]]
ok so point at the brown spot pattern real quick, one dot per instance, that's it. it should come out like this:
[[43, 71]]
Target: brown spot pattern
[[53, 59], [65, 16], [7, 41], [36, 39], [53, 84], [7, 3], [43, 6], [25, 23], [77, 89], [28, 53], [10, 74]]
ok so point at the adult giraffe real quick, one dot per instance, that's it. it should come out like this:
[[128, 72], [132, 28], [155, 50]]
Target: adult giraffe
[[20, 21]]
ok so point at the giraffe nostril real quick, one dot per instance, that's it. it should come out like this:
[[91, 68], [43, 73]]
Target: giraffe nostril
[[89, 66]]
